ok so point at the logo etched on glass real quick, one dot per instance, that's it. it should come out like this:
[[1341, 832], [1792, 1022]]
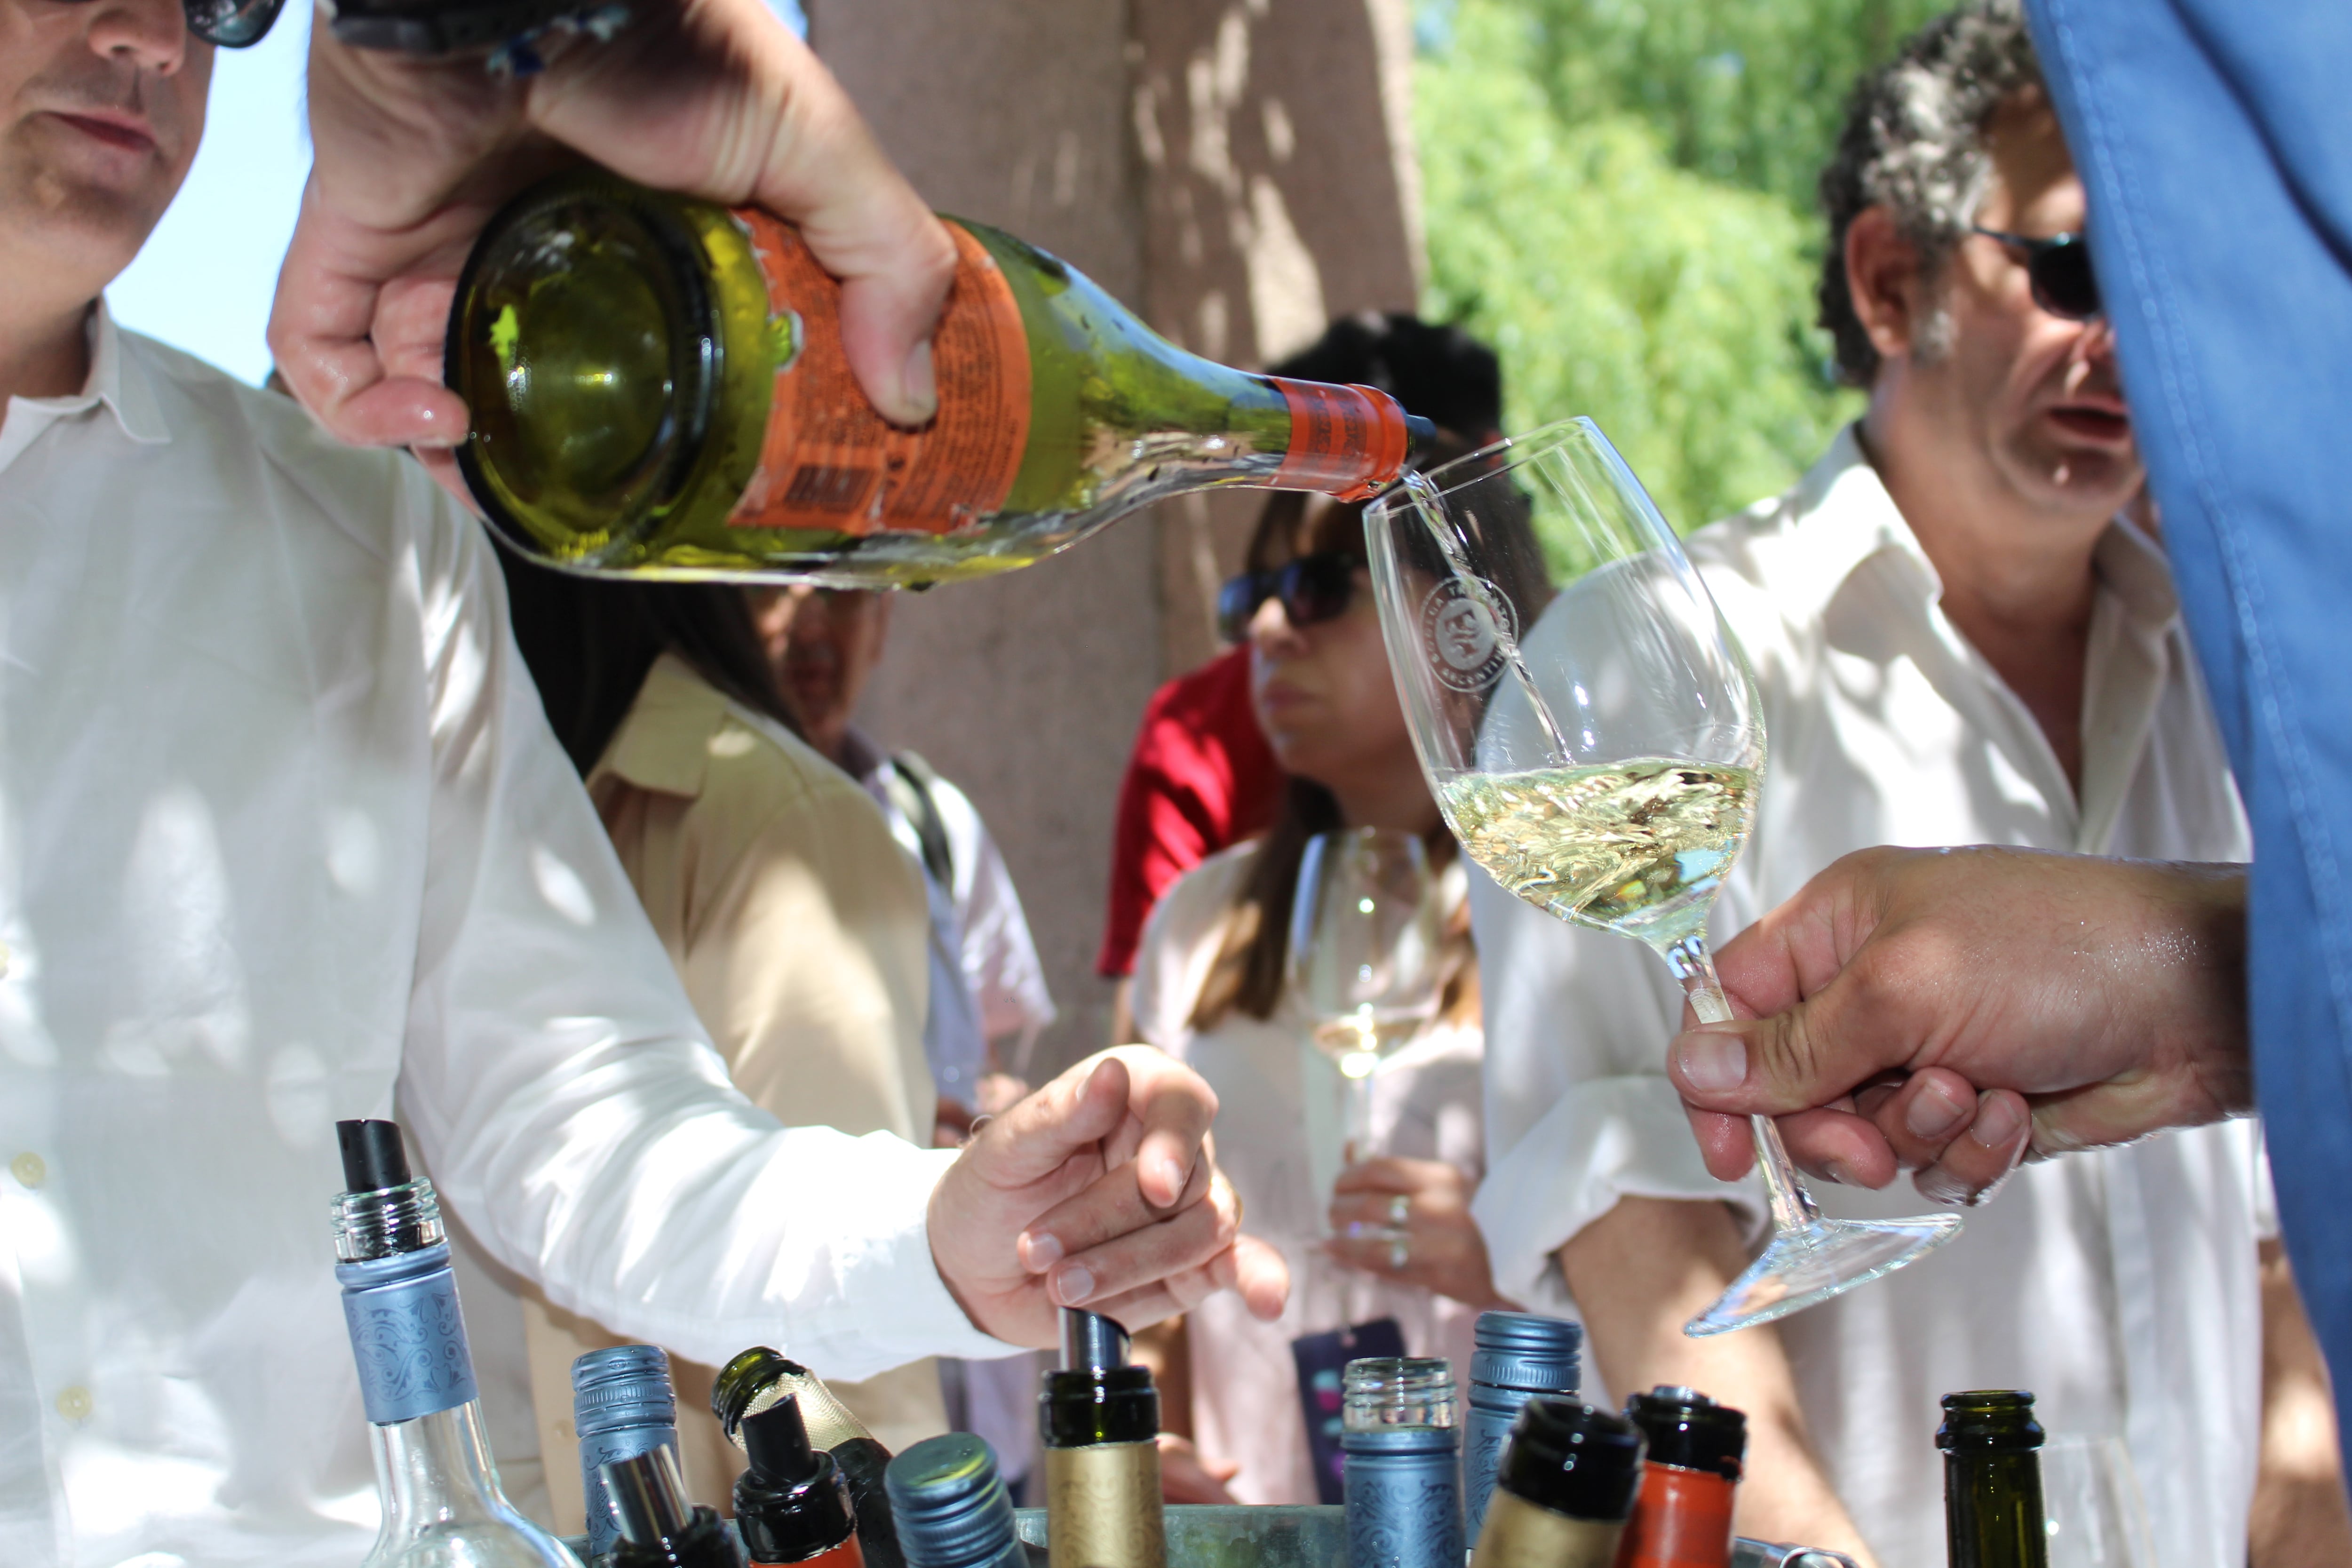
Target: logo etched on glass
[[1457, 628]]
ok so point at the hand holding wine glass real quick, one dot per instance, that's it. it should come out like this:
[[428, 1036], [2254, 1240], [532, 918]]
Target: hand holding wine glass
[[1596, 743]]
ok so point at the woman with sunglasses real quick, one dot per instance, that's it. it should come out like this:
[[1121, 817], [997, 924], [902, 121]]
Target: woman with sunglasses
[[1210, 988]]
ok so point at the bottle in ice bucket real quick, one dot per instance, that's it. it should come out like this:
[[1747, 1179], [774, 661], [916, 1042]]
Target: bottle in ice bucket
[[1566, 1486], [1400, 1442], [1100, 1418], [1992, 1481], [622, 1406], [440, 1492], [1515, 1357], [759, 1378], [657, 1527], [953, 1511], [657, 385], [791, 1504], [1694, 1447]]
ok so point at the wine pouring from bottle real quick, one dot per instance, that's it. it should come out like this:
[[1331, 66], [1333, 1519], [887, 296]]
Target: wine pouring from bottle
[[657, 385]]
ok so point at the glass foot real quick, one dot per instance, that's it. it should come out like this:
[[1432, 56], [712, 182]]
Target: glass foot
[[1816, 1261]]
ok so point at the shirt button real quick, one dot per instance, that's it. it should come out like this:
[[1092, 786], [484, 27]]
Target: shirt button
[[74, 1404], [29, 1168]]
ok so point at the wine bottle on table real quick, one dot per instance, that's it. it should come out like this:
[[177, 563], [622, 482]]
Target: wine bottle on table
[[657, 1527], [1694, 1449], [760, 1377], [1992, 1481], [442, 1502], [1564, 1491], [1400, 1442], [659, 385], [1099, 1417], [1514, 1356], [951, 1506], [791, 1504], [622, 1406]]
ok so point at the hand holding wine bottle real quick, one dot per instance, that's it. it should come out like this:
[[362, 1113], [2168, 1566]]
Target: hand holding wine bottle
[[411, 157], [1100, 1190]]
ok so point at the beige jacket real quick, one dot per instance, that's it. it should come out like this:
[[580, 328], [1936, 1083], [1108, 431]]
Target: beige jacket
[[799, 927]]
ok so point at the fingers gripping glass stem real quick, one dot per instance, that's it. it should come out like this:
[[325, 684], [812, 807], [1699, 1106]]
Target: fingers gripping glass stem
[[1792, 1205]]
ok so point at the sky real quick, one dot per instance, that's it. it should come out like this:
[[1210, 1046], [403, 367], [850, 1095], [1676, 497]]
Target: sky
[[204, 281]]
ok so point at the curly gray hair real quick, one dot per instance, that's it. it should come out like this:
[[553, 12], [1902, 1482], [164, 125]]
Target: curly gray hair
[[1914, 143]]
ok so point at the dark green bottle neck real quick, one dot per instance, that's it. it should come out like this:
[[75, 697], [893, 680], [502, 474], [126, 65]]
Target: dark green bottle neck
[[1992, 1509], [1114, 1404]]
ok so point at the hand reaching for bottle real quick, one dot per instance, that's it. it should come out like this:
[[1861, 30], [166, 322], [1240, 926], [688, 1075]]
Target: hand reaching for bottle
[[1429, 1201], [1957, 1010], [1099, 1190], [1189, 1476], [716, 98]]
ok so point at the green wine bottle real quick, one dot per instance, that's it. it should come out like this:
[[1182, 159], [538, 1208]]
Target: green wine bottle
[[1992, 1481], [657, 385]]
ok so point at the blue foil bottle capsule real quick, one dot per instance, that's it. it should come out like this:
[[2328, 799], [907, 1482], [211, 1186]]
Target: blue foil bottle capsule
[[1402, 1447], [621, 1406], [951, 1508], [1517, 1355]]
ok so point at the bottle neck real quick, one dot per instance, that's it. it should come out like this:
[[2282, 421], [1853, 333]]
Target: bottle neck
[[436, 1469], [1992, 1509]]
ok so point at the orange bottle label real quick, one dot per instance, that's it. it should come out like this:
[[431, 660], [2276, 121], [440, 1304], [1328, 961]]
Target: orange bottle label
[[1346, 441], [1683, 1521], [830, 461]]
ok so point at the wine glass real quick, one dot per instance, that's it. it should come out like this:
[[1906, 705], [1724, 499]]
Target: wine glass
[[1596, 743], [1366, 945], [2091, 1500]]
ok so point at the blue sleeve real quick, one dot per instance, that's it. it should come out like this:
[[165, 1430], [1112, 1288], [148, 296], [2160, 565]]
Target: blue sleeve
[[2215, 139]]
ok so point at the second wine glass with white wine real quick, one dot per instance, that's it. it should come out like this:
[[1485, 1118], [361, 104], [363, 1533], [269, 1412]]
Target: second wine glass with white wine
[[1596, 743]]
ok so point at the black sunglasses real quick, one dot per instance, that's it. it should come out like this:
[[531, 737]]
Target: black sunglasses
[[1312, 588], [2059, 270]]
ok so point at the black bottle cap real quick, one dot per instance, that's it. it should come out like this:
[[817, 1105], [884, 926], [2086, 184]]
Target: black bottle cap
[[375, 1158], [1989, 1420], [1091, 1343], [793, 1502], [1573, 1459], [1686, 1429]]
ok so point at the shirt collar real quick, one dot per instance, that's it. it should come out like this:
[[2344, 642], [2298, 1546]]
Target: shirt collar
[[120, 378], [666, 741]]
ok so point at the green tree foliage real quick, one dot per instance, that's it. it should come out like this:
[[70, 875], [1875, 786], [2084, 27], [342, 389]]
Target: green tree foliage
[[1618, 197]]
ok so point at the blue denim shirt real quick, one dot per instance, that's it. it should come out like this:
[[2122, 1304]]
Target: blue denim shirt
[[2215, 139]]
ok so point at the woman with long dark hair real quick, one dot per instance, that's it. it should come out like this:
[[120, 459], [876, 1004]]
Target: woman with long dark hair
[[797, 924]]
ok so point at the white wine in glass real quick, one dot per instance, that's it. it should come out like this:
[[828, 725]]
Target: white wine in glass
[[1596, 743]]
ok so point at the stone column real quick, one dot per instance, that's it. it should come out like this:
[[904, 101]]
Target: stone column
[[1234, 169]]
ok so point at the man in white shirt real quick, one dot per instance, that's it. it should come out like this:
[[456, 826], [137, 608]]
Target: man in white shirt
[[282, 831], [1957, 639]]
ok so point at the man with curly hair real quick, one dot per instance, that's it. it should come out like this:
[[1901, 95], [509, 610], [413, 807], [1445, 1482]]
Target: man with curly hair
[[1960, 637]]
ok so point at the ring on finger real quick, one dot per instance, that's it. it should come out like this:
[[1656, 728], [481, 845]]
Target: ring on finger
[[1399, 1251], [1400, 1209]]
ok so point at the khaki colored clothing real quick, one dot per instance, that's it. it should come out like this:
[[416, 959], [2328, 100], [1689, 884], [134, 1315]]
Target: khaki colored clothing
[[799, 927]]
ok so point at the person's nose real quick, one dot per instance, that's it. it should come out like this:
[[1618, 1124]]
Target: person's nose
[[1270, 631], [150, 34]]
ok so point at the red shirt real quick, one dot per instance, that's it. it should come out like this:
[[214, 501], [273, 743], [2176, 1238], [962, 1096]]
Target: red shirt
[[1201, 777]]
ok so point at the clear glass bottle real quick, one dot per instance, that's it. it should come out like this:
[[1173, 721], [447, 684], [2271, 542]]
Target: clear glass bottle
[[1992, 1481], [759, 1378], [442, 1504], [1100, 1418], [657, 385], [1401, 1433]]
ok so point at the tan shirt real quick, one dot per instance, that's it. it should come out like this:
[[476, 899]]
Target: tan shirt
[[799, 927]]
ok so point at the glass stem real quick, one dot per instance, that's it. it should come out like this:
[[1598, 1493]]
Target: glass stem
[[1358, 1144], [1793, 1206]]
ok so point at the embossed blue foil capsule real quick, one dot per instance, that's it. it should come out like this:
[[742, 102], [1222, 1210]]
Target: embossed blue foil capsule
[[1517, 1355], [1402, 1449], [621, 1406]]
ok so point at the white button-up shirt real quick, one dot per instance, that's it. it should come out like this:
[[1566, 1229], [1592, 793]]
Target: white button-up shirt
[[2119, 1287], [282, 828]]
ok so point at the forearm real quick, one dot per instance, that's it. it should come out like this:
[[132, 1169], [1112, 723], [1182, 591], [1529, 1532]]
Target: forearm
[[1639, 1273], [2300, 1519]]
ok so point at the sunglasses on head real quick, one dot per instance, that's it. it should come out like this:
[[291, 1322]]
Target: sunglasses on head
[[1312, 588], [2059, 270]]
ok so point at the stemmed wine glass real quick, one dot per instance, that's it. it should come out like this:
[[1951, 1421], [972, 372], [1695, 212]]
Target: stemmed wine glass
[[1596, 743], [2091, 1498], [1365, 947]]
